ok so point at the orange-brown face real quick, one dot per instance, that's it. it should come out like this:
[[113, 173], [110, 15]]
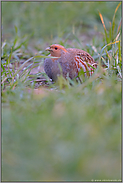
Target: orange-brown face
[[55, 50]]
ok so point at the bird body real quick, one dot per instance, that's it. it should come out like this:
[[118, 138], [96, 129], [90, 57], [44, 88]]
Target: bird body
[[67, 62]]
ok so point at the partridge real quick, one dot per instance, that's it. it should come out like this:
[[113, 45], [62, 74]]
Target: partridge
[[68, 62]]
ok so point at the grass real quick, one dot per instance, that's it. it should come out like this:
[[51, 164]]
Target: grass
[[63, 135], [55, 131], [48, 19]]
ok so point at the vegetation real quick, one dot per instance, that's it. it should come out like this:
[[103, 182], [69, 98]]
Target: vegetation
[[60, 131]]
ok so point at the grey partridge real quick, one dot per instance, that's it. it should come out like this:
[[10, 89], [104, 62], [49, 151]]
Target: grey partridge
[[68, 62]]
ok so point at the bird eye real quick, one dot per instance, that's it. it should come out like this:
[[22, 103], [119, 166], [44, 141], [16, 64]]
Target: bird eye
[[56, 48]]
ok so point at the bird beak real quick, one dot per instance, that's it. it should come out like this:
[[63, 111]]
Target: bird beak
[[48, 49]]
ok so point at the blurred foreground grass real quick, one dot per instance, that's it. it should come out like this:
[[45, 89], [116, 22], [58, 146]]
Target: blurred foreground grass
[[58, 131], [63, 135]]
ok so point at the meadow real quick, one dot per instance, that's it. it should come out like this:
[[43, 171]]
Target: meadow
[[60, 131]]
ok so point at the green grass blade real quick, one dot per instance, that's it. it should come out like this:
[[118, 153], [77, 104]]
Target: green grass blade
[[119, 26], [113, 20], [21, 67]]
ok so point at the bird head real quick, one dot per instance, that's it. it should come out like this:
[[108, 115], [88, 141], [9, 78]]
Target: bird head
[[56, 50]]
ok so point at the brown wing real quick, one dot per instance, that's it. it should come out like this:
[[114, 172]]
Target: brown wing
[[84, 61]]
